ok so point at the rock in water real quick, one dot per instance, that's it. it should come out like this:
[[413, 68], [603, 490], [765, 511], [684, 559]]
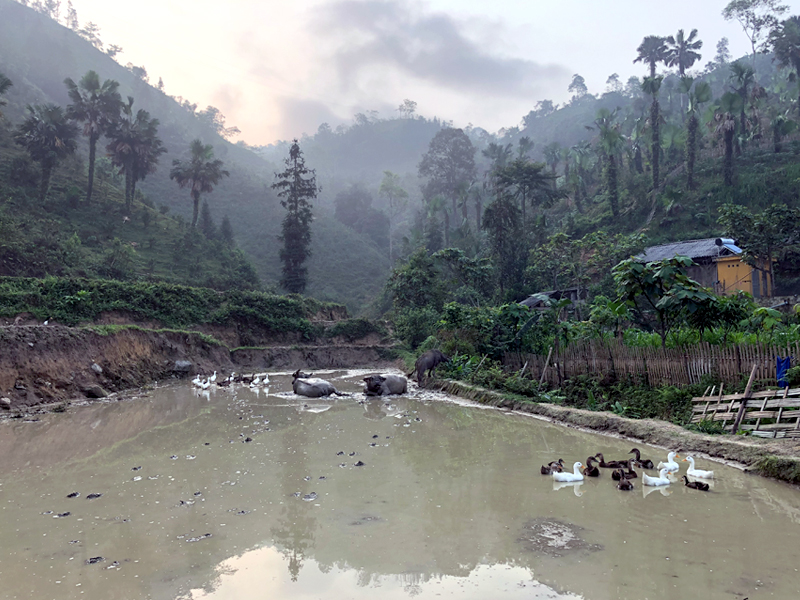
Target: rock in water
[[95, 391]]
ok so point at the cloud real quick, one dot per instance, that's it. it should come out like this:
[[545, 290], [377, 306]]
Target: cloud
[[431, 47]]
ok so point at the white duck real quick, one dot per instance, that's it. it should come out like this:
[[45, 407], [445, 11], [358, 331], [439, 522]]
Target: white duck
[[692, 472], [656, 481], [213, 378], [206, 384], [256, 382], [671, 466], [576, 475], [265, 379], [197, 381]]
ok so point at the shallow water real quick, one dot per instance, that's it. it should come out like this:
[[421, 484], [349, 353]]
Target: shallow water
[[449, 502]]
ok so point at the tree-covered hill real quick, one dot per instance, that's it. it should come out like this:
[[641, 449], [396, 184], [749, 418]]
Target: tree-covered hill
[[37, 54]]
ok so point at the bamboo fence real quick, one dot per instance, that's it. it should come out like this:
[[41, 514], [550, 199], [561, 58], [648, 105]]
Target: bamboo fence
[[771, 413], [654, 366]]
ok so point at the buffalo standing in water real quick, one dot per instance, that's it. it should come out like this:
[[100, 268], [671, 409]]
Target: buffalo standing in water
[[383, 385], [427, 362], [314, 388]]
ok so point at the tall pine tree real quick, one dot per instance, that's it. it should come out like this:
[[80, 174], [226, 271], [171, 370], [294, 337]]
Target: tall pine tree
[[296, 186]]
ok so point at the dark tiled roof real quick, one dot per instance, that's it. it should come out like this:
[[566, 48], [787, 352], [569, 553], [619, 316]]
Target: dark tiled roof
[[692, 248]]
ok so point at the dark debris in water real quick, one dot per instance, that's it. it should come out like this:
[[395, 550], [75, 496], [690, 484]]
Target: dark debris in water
[[94, 560], [73, 495], [359, 464], [554, 538], [93, 496], [366, 519], [62, 515]]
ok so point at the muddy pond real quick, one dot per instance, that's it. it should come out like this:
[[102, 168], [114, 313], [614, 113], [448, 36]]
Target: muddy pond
[[239, 493]]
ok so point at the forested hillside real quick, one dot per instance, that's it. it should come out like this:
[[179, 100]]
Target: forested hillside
[[37, 54], [660, 157]]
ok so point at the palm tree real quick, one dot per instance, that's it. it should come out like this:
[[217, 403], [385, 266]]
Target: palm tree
[[5, 83], [552, 156], [526, 181], [610, 141], [49, 137], [200, 173], [682, 51], [652, 51], [785, 43], [134, 147], [698, 94], [743, 76], [725, 125], [97, 106], [650, 86]]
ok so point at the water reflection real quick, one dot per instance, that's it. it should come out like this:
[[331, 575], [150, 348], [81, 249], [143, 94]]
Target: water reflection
[[349, 497]]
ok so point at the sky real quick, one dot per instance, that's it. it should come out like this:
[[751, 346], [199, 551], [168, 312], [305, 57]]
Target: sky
[[279, 69]]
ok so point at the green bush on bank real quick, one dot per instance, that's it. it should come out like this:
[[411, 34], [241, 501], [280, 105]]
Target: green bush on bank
[[72, 301], [626, 398]]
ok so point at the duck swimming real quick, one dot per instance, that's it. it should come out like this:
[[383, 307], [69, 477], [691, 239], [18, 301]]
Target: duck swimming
[[697, 472], [612, 464], [576, 474], [553, 467], [590, 470], [620, 474], [656, 481], [695, 485], [671, 466], [642, 464], [624, 485]]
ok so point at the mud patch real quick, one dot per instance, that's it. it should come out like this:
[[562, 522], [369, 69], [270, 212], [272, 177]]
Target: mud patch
[[554, 538]]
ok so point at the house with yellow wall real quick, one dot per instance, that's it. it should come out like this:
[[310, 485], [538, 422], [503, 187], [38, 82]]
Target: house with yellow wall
[[718, 265]]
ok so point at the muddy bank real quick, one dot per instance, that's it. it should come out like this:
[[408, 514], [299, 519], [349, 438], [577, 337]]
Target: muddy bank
[[779, 459], [42, 365]]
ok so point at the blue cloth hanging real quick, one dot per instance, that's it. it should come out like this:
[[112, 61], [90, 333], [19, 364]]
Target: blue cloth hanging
[[781, 366]]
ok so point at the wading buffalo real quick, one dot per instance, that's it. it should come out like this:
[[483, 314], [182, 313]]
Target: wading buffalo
[[383, 385], [314, 388], [427, 362]]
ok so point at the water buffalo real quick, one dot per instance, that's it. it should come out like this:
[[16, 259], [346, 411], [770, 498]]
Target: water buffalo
[[383, 385], [427, 362], [314, 388]]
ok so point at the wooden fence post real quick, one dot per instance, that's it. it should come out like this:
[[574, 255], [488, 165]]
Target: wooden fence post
[[546, 362], [747, 393]]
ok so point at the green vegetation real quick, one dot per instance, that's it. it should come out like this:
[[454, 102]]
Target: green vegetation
[[74, 301]]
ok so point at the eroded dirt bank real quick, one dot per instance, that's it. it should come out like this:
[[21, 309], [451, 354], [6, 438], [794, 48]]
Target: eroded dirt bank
[[772, 458], [48, 364]]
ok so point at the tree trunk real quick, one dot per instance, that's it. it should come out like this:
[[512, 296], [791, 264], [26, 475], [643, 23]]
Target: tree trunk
[[478, 212], [776, 139], [727, 169], [691, 150], [446, 228], [637, 160], [611, 174], [656, 146], [92, 151], [47, 171], [196, 202]]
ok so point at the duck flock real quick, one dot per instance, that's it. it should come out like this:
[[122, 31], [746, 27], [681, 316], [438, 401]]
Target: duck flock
[[254, 381], [624, 470]]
